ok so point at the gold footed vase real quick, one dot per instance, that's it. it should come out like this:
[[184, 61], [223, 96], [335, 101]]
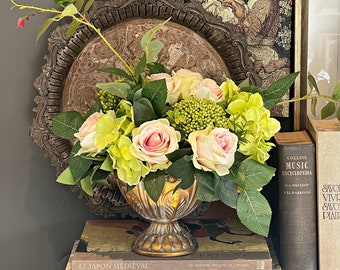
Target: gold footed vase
[[164, 237]]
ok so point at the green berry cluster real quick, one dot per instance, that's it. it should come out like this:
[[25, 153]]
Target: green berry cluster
[[108, 100], [195, 113]]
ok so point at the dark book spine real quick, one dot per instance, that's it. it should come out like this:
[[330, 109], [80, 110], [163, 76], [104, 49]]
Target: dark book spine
[[297, 207]]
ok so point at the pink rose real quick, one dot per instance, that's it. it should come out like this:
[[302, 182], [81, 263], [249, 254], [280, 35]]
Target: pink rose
[[214, 149], [87, 133], [152, 140], [208, 89]]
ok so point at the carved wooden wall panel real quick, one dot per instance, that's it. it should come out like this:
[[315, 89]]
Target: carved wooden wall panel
[[193, 39]]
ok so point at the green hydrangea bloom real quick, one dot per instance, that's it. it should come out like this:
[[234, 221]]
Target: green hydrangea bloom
[[110, 126], [195, 113], [129, 169], [253, 125]]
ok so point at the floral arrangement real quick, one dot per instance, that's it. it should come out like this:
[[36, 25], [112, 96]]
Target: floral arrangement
[[153, 122]]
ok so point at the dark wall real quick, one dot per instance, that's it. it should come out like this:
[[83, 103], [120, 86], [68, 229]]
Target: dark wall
[[39, 218]]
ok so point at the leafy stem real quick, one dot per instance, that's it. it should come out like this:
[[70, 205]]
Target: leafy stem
[[309, 96], [72, 11]]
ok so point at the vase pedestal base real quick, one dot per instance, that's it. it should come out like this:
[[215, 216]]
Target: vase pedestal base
[[164, 239]]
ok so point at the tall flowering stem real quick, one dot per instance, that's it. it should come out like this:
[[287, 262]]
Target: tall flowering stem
[[69, 11]]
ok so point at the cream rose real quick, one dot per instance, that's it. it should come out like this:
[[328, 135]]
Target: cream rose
[[214, 149], [152, 140], [87, 133], [180, 84], [208, 89]]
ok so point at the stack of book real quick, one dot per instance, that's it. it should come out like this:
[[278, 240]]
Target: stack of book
[[222, 244]]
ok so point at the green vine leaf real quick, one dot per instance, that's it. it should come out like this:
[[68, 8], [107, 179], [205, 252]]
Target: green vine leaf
[[312, 83], [328, 110], [44, 26], [336, 91], [72, 28]]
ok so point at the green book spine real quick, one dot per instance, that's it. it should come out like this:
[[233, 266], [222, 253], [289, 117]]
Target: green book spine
[[297, 201]]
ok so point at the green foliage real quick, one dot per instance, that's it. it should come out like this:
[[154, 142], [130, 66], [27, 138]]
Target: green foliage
[[152, 47], [65, 124], [227, 191], [117, 88], [86, 185], [154, 183], [78, 164], [251, 174], [156, 92], [143, 111], [184, 170], [254, 211], [273, 94], [207, 184], [44, 26], [66, 177], [333, 102]]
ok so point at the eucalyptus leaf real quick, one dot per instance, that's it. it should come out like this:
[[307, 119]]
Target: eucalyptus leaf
[[273, 94], [207, 185], [119, 89], [66, 177], [148, 36], [65, 124], [154, 183], [86, 185], [154, 49], [143, 111], [254, 211], [156, 92], [140, 68], [328, 110]]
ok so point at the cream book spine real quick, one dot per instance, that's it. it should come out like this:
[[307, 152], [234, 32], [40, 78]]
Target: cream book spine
[[326, 134]]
